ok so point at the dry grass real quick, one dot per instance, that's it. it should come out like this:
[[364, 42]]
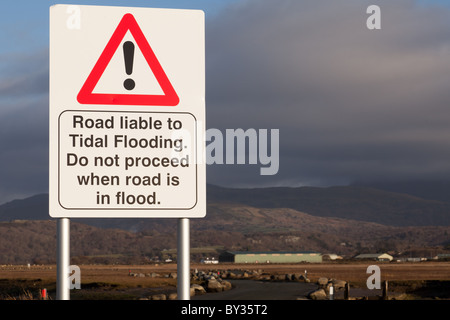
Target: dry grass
[[114, 281], [354, 271], [26, 295]]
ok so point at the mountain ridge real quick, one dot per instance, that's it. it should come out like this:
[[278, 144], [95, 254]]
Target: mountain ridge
[[346, 202], [227, 227], [28, 233], [349, 202]]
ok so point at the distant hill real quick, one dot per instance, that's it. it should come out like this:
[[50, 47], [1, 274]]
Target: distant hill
[[342, 220], [347, 202], [431, 190], [359, 203], [32, 208], [226, 227]]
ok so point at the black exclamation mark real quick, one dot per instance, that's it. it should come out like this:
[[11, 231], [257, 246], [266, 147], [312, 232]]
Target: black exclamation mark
[[128, 53]]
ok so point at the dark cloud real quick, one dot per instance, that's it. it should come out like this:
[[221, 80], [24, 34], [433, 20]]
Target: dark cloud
[[23, 126], [350, 103]]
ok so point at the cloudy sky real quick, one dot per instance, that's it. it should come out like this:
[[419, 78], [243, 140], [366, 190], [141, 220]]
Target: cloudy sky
[[351, 104]]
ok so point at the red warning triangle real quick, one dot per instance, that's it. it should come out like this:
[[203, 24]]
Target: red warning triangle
[[86, 95]]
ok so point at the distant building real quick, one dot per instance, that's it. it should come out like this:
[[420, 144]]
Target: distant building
[[331, 256], [443, 256], [375, 256], [270, 257], [209, 261]]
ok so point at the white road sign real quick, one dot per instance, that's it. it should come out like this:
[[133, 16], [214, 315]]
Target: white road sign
[[127, 111]]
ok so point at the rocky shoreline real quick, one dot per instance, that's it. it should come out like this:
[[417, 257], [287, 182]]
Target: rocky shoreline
[[214, 281]]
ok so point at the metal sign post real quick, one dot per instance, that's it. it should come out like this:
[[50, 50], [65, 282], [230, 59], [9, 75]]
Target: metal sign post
[[63, 259], [183, 258]]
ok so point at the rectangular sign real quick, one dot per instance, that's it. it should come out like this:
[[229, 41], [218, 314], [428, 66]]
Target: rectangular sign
[[127, 112]]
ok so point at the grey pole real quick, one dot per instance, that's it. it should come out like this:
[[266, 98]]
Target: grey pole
[[63, 259], [183, 257]]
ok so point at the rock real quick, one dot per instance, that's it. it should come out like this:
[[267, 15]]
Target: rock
[[173, 296], [278, 277], [318, 295], [197, 289], [322, 281], [214, 286], [297, 277], [338, 284], [173, 275], [226, 285], [159, 297]]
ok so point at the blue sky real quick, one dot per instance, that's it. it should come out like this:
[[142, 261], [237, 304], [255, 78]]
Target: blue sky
[[351, 104], [24, 23]]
